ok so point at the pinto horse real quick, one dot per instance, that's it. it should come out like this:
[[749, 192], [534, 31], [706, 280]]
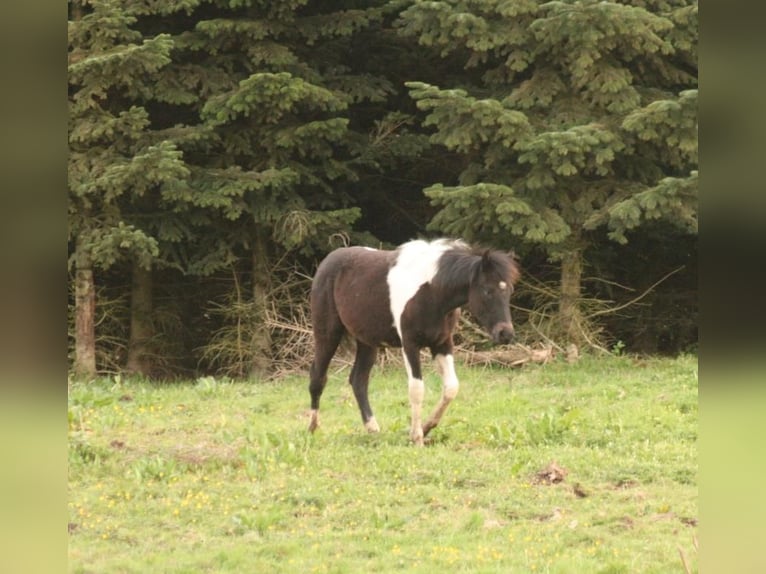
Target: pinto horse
[[409, 298]]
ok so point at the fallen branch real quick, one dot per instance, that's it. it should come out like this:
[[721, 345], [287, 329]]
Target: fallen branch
[[511, 356], [636, 299]]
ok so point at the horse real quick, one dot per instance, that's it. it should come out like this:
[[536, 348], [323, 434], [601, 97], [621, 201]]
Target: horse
[[409, 297]]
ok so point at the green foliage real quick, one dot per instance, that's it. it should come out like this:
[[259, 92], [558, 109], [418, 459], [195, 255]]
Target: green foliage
[[266, 142], [276, 144], [267, 98], [107, 245], [581, 111], [116, 161], [672, 198], [294, 228], [464, 122], [485, 209], [154, 468], [670, 127]]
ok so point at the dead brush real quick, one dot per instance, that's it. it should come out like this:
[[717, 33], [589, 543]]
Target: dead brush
[[542, 325], [287, 318], [231, 350]]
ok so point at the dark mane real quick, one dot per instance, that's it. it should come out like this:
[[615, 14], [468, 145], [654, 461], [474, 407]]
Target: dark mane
[[462, 264], [457, 266]]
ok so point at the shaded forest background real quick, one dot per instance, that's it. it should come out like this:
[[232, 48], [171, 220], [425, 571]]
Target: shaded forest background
[[219, 149]]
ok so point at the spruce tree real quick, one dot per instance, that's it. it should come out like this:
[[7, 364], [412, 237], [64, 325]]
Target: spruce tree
[[117, 162], [268, 140], [570, 115]]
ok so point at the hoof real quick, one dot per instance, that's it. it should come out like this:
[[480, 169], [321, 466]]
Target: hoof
[[314, 422], [417, 438], [372, 425]]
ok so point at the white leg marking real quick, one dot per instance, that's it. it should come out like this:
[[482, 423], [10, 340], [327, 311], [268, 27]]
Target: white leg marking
[[372, 425], [445, 364], [417, 391], [314, 422]]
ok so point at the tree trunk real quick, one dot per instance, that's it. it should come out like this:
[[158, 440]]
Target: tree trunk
[[570, 316], [141, 325], [261, 286], [84, 316]]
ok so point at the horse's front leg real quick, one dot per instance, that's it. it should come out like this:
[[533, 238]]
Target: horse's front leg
[[416, 391], [445, 364]]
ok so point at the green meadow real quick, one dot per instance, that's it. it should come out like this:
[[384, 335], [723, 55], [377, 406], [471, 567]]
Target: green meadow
[[553, 468]]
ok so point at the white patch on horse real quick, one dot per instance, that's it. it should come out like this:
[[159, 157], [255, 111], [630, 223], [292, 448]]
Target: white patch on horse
[[502, 285], [369, 248], [416, 264]]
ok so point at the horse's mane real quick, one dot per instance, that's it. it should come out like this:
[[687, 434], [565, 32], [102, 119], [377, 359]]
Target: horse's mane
[[463, 262]]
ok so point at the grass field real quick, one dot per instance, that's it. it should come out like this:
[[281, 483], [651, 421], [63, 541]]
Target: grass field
[[215, 476]]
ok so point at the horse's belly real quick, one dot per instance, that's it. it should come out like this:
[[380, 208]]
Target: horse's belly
[[391, 339], [371, 328]]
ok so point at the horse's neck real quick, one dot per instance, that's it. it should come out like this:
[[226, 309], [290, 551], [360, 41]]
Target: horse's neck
[[454, 296]]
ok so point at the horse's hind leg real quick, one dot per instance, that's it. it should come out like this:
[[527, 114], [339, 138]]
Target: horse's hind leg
[[359, 379], [326, 342]]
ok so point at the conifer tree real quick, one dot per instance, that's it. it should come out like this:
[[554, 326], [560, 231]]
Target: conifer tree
[[570, 115], [247, 106], [116, 161], [268, 141]]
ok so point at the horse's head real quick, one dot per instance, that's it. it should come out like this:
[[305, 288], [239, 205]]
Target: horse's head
[[490, 293]]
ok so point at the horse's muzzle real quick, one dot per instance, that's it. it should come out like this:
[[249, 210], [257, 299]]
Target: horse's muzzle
[[502, 333]]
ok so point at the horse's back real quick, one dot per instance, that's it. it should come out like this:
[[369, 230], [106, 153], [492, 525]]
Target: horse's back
[[340, 261]]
